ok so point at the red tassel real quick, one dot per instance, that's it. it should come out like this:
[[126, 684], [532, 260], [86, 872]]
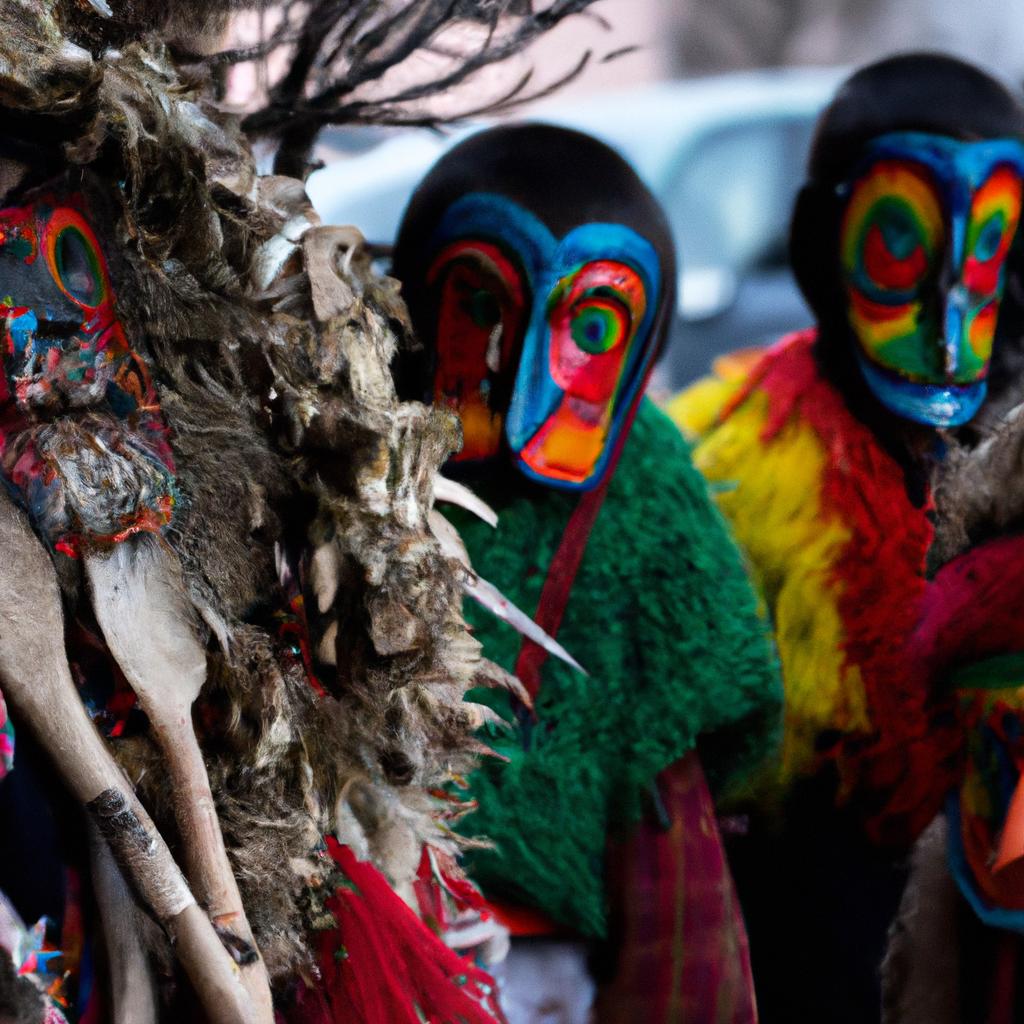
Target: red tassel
[[382, 965]]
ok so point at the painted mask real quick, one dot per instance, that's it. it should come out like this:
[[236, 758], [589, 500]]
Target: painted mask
[[64, 351], [925, 231], [542, 340]]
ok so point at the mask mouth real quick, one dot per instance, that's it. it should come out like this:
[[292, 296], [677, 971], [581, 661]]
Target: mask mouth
[[934, 405]]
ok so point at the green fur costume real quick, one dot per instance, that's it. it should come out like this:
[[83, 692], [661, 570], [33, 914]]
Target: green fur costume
[[665, 622]]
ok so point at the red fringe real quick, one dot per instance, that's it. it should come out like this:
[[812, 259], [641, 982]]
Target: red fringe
[[382, 965], [909, 761]]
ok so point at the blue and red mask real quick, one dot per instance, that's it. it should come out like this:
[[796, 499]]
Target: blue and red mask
[[927, 225], [903, 237], [67, 366], [542, 334]]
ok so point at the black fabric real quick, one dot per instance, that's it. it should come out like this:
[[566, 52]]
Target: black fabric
[[37, 822], [818, 899], [563, 177], [924, 92]]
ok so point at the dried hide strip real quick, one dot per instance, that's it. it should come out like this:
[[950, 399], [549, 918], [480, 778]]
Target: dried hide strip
[[301, 495]]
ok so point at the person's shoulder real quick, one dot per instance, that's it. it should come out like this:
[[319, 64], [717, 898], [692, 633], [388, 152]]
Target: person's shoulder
[[703, 406], [655, 453], [700, 406], [656, 479]]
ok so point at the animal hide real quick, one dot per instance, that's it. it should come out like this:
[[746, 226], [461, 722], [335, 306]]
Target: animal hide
[[287, 488], [920, 972]]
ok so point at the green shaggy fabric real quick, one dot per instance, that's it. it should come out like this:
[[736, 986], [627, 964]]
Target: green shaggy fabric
[[664, 620]]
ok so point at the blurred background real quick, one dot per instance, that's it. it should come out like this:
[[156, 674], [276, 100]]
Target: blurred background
[[714, 103]]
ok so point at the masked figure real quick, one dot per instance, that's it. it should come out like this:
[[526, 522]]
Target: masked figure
[[65, 349], [831, 450], [539, 273], [232, 655]]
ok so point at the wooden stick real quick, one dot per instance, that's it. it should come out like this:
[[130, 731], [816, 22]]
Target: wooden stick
[[132, 984], [36, 680], [139, 601]]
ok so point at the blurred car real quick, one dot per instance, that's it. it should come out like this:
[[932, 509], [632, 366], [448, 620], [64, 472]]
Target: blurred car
[[725, 155]]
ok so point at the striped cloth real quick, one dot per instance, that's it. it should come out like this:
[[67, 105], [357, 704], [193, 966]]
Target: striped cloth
[[684, 957]]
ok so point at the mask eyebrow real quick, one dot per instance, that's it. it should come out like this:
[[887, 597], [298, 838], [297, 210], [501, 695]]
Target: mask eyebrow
[[486, 255]]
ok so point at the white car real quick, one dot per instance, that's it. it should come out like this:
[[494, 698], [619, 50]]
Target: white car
[[725, 155]]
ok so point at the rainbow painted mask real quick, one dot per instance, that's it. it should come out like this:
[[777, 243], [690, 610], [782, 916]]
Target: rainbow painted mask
[[64, 351], [926, 228], [541, 341]]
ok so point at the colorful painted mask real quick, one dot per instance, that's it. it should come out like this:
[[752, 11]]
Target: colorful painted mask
[[926, 227], [541, 340], [64, 349]]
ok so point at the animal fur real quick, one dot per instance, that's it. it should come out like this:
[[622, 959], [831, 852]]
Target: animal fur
[[920, 973], [269, 340]]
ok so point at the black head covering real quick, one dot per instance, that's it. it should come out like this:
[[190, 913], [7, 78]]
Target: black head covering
[[563, 177], [924, 92]]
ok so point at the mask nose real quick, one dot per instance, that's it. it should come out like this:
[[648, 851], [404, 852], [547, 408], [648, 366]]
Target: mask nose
[[956, 304], [535, 395], [956, 297]]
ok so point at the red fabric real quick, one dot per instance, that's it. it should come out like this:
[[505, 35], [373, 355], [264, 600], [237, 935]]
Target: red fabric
[[684, 957], [382, 965], [554, 597], [909, 760], [525, 922], [972, 610]]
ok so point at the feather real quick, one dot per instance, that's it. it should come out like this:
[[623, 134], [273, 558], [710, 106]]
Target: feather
[[489, 597], [493, 676]]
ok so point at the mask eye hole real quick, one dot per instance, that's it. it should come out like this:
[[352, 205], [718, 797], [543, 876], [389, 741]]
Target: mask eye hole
[[599, 324], [74, 259], [990, 236], [76, 265], [893, 230], [995, 211], [484, 308]]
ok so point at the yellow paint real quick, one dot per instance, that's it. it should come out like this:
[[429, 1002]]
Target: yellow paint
[[566, 447], [481, 428], [771, 494], [876, 332]]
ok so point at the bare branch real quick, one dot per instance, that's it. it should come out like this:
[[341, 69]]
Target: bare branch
[[343, 49]]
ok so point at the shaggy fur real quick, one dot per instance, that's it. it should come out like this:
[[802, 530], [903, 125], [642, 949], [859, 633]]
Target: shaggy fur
[[269, 341], [672, 662], [920, 973]]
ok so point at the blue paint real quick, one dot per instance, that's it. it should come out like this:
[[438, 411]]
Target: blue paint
[[22, 330], [959, 169], [935, 405], [545, 260], [994, 916]]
